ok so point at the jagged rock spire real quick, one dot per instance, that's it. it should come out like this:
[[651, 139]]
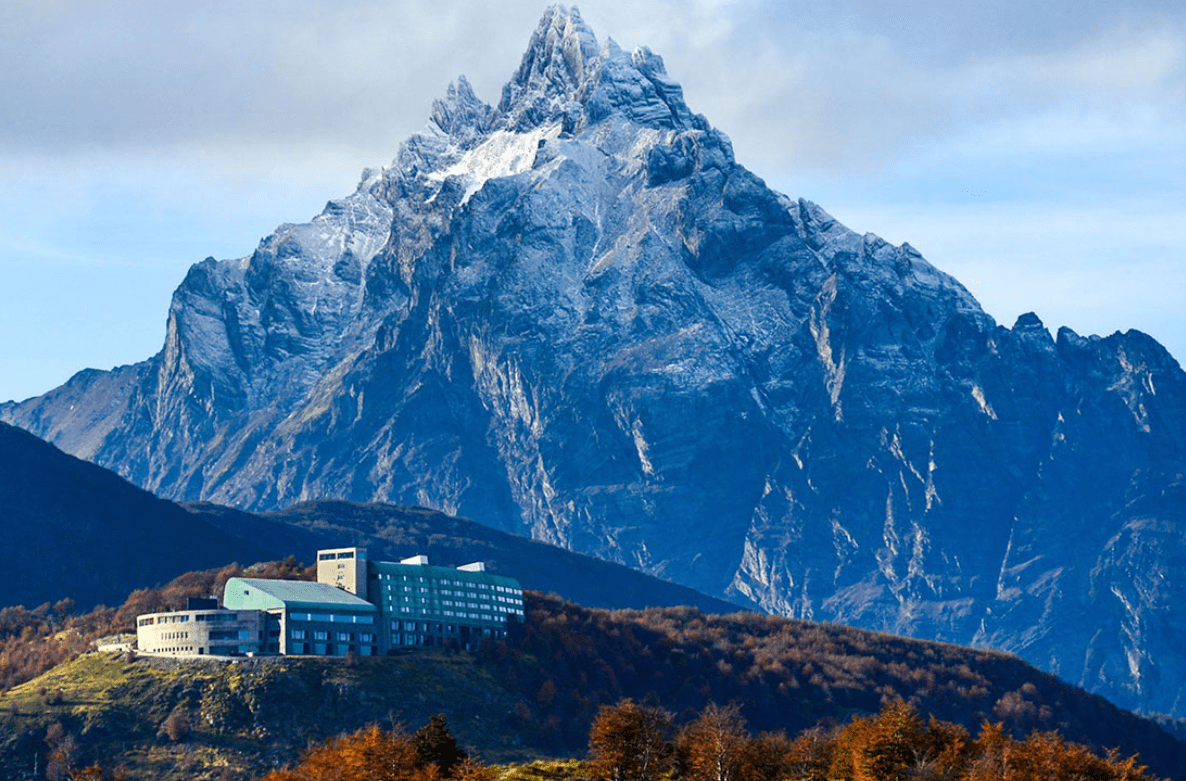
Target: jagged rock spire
[[565, 75], [556, 63], [460, 112]]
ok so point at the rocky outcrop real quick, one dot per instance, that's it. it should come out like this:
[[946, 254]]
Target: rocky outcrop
[[573, 315]]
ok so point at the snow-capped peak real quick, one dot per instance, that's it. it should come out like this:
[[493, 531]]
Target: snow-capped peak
[[500, 154]]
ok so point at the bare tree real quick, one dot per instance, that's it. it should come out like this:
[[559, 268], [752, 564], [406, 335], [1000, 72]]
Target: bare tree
[[63, 750]]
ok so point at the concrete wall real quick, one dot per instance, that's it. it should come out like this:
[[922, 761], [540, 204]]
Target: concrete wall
[[201, 633], [345, 568]]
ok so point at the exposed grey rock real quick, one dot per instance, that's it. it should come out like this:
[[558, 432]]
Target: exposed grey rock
[[574, 316]]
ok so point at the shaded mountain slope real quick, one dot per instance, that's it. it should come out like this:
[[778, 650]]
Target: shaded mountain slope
[[393, 532], [575, 316], [74, 530]]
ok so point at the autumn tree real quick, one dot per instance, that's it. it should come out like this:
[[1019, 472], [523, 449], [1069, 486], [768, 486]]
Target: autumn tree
[[372, 754], [99, 773], [367, 755], [176, 726], [895, 745], [630, 742], [769, 757], [993, 750], [810, 755], [1047, 756], [716, 746]]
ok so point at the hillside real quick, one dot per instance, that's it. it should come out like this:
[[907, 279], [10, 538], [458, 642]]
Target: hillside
[[74, 530], [537, 694]]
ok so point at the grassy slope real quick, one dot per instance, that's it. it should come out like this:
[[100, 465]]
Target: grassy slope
[[542, 770], [251, 715]]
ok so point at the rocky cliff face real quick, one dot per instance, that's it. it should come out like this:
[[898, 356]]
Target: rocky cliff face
[[574, 316]]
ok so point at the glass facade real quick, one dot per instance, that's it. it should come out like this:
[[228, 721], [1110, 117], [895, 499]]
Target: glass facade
[[422, 605]]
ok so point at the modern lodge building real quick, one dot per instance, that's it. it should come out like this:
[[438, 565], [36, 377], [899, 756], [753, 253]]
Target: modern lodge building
[[357, 606]]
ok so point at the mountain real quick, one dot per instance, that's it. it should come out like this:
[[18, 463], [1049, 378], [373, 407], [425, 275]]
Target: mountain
[[538, 693], [574, 316]]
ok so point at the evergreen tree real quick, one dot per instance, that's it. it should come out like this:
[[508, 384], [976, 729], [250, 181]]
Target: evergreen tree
[[435, 745]]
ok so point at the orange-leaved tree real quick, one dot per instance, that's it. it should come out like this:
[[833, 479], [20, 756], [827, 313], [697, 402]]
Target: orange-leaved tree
[[716, 746], [630, 742], [372, 754]]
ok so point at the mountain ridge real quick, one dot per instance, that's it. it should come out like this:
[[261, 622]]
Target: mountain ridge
[[574, 316]]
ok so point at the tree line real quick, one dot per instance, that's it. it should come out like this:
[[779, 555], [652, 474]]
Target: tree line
[[629, 741], [632, 742]]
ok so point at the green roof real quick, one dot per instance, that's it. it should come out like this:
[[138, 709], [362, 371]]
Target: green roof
[[261, 594]]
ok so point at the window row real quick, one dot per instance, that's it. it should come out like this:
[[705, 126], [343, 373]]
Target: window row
[[333, 618], [330, 649], [343, 637], [398, 579]]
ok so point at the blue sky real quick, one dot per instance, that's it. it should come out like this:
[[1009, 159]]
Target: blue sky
[[1036, 153]]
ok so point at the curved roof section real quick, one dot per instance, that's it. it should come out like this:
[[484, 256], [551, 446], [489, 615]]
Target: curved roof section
[[261, 594]]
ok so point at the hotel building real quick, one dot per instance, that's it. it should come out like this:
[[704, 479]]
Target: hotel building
[[357, 606]]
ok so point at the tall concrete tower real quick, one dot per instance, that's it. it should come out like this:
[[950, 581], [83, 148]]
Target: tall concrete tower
[[345, 568]]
